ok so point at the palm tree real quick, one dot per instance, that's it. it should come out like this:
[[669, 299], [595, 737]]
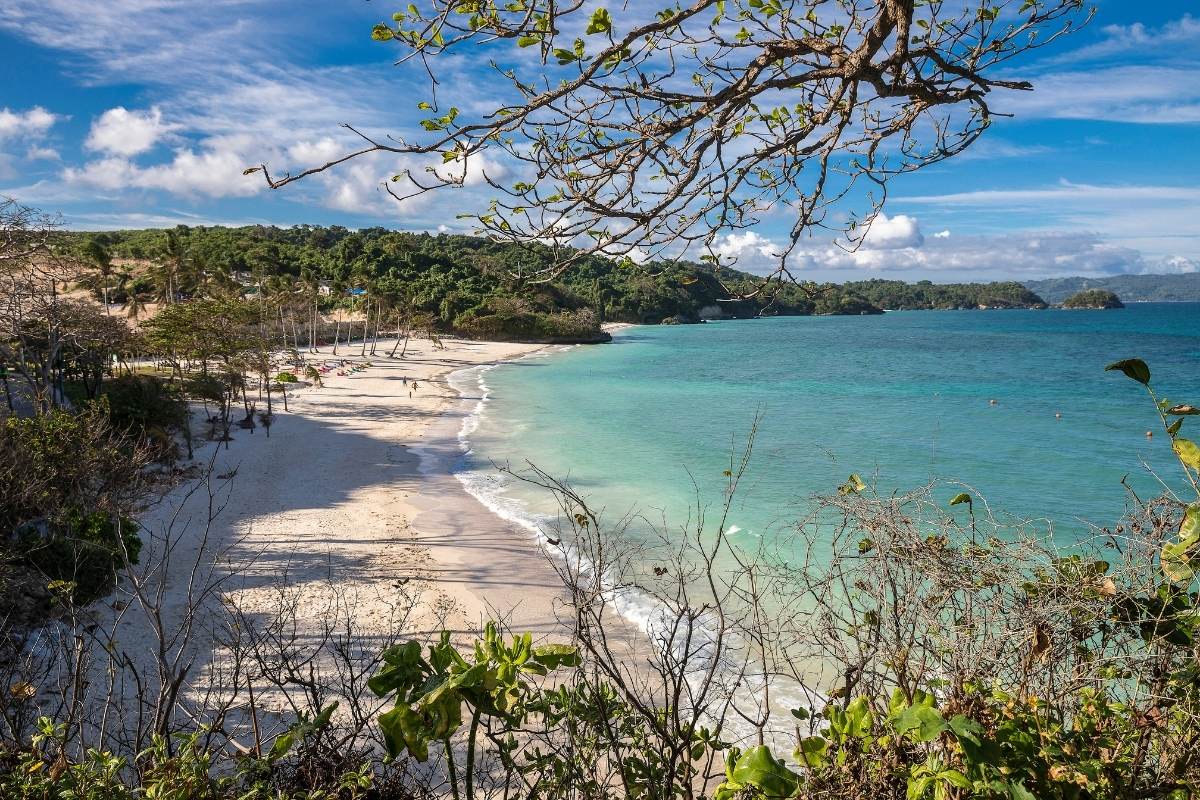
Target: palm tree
[[136, 296], [310, 289], [101, 259], [135, 305], [171, 264]]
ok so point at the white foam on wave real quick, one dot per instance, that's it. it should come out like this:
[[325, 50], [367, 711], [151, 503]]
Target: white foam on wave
[[491, 488]]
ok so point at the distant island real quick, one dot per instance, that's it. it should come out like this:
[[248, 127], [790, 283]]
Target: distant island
[[1093, 298], [1130, 288]]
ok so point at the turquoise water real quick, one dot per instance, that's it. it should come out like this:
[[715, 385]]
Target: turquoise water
[[649, 422]]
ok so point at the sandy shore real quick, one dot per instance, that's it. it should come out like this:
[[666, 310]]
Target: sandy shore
[[349, 505]]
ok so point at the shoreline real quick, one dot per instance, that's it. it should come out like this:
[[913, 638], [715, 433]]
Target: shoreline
[[350, 507]]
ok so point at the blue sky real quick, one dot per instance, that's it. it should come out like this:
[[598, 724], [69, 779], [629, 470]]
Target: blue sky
[[141, 113]]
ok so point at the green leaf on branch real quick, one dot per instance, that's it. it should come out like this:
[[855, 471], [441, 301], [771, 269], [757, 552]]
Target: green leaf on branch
[[1187, 451], [960, 498], [1133, 368], [853, 485], [921, 723], [757, 767], [812, 752], [1177, 557], [601, 22], [382, 33]]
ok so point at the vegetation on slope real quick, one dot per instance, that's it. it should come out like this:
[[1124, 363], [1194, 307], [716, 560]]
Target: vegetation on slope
[[968, 659], [476, 287], [1131, 288], [1093, 298], [898, 295]]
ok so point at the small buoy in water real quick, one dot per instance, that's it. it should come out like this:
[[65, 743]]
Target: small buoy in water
[[991, 402], [1149, 434], [1058, 415]]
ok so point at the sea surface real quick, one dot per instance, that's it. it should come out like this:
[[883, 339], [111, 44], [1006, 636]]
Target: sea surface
[[649, 423]]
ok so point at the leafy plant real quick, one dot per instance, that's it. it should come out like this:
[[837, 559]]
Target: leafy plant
[[492, 681]]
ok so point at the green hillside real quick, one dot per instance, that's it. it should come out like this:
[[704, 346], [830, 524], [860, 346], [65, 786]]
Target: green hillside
[[1130, 288]]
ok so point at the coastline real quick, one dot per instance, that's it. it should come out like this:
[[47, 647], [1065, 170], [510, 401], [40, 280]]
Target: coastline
[[351, 506]]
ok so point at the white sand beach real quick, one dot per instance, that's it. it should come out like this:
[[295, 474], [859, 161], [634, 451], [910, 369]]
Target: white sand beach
[[335, 508]]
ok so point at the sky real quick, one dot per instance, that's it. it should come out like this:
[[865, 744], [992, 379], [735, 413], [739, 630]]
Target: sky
[[144, 113]]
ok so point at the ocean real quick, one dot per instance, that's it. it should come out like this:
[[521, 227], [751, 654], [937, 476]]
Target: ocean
[[648, 423]]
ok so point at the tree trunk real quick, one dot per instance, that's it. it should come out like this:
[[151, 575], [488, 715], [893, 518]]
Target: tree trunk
[[366, 325], [7, 391], [397, 344]]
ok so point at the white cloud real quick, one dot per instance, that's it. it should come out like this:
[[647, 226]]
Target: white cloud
[[992, 148], [121, 132], [1018, 255], [1138, 38], [316, 152], [1146, 94], [38, 153], [474, 170], [942, 235], [30, 124], [748, 251], [1178, 265], [1064, 190], [214, 170], [28, 128], [882, 232]]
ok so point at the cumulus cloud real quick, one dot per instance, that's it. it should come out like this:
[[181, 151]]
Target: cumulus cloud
[[986, 257], [1178, 265], [31, 123], [121, 132], [213, 169], [745, 246], [471, 171], [882, 232], [29, 128]]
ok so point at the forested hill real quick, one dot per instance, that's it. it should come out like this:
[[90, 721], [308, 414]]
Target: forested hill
[[467, 284], [1130, 288]]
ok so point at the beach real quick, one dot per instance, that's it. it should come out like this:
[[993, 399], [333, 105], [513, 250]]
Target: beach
[[349, 509]]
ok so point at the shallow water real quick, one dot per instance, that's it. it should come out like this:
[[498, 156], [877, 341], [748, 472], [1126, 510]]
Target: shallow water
[[903, 399]]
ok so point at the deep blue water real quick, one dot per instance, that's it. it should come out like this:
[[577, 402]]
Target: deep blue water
[[902, 399]]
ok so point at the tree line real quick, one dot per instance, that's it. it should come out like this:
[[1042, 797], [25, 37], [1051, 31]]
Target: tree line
[[474, 286]]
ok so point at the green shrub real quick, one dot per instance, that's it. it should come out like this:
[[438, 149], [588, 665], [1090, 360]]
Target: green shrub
[[519, 324], [150, 409]]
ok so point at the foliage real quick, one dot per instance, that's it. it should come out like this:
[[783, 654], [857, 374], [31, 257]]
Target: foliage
[[68, 487], [473, 286], [1099, 704], [432, 691], [1093, 298], [644, 130], [1135, 288], [928, 295], [150, 409]]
